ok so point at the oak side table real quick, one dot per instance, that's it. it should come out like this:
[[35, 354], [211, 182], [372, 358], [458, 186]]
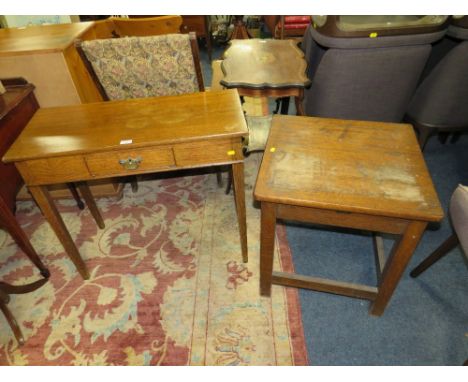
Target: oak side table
[[266, 68], [129, 137], [354, 174]]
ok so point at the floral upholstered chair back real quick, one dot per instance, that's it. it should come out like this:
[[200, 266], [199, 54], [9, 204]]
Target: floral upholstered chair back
[[138, 67]]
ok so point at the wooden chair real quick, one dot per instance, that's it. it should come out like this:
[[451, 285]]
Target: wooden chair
[[156, 66], [17, 107], [146, 26], [5, 291]]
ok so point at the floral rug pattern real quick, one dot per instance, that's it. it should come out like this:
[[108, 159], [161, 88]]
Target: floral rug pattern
[[167, 286]]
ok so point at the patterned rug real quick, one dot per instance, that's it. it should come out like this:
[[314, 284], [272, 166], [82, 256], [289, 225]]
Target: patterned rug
[[167, 286]]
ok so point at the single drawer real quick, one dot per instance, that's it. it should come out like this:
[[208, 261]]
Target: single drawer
[[208, 152], [53, 170], [127, 162]]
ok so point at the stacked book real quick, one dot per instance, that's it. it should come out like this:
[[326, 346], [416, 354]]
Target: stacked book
[[293, 25]]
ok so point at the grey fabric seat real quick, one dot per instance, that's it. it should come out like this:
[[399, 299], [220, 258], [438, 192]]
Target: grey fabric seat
[[364, 78], [458, 211], [440, 101]]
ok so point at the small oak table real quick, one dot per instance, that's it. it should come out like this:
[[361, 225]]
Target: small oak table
[[130, 137], [354, 174], [266, 68]]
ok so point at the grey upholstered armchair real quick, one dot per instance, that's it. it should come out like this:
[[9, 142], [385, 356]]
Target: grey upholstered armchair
[[366, 78], [440, 101]]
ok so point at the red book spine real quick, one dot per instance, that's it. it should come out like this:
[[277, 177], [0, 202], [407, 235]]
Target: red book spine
[[295, 26], [296, 19]]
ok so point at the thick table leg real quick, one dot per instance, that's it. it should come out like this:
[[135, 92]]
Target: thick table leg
[[267, 246], [398, 259], [48, 208], [239, 195], [91, 203], [8, 220]]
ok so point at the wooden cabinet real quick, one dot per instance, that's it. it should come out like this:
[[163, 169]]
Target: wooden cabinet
[[201, 26], [45, 56]]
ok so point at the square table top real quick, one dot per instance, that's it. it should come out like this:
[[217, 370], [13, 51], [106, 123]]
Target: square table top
[[258, 64], [127, 124], [373, 168]]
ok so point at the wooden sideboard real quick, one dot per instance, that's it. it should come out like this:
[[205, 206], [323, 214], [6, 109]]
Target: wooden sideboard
[[45, 56]]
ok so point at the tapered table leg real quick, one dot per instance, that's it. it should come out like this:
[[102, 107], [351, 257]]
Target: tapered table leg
[[8, 220], [48, 208], [76, 196], [239, 195], [91, 203], [267, 246], [394, 267]]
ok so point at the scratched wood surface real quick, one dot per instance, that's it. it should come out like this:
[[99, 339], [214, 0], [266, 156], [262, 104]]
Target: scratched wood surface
[[349, 166], [129, 124]]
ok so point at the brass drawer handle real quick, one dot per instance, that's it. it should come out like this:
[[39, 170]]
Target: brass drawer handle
[[130, 163]]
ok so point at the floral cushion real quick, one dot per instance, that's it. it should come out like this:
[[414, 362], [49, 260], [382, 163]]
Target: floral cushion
[[137, 67]]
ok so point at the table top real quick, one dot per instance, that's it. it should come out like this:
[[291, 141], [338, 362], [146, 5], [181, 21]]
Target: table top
[[373, 168], [144, 122], [40, 38], [258, 64]]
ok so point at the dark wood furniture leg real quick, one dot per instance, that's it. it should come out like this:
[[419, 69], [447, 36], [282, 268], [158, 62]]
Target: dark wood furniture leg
[[48, 208], [91, 203], [5, 291], [299, 103], [134, 183], [284, 105], [239, 196], [8, 220], [396, 263], [219, 178], [229, 182], [440, 252], [267, 246], [76, 196]]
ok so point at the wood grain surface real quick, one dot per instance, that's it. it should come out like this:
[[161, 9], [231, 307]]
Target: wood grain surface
[[40, 38], [350, 166], [98, 127]]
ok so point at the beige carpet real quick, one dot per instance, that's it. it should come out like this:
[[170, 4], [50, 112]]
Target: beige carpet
[[167, 287]]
